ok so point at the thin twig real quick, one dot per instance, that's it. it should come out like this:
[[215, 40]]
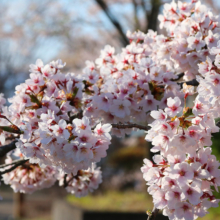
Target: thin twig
[[7, 148], [10, 164], [18, 163], [65, 181], [77, 115], [153, 214], [179, 76], [124, 126], [193, 82], [10, 138], [218, 124]]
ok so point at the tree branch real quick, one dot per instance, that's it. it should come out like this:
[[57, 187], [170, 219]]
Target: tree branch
[[77, 115], [193, 82], [179, 76], [7, 148], [104, 7], [66, 183], [124, 126], [153, 214], [15, 163], [10, 164], [218, 124]]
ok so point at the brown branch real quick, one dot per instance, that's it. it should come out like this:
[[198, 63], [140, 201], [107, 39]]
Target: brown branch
[[193, 82], [65, 181], [7, 148], [153, 214], [16, 164], [77, 115], [142, 127], [179, 76], [115, 22], [10, 138], [124, 126], [218, 124], [10, 164]]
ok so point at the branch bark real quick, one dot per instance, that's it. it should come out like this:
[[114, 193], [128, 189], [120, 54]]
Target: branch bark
[[179, 76], [153, 214], [15, 165], [124, 126], [12, 163], [77, 115], [193, 82], [7, 148], [66, 183]]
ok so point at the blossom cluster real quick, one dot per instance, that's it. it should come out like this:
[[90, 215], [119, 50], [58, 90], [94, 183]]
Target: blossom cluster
[[68, 147], [181, 177], [62, 122], [85, 181], [43, 109], [193, 30], [127, 86], [28, 177], [209, 83]]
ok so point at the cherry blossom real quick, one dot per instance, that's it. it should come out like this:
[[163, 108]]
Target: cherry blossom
[[83, 182], [185, 169], [63, 122], [28, 177]]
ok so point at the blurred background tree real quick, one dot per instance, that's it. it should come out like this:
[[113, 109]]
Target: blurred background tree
[[72, 30]]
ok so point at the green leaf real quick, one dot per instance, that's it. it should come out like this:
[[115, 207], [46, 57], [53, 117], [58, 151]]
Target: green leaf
[[75, 92], [11, 129], [187, 112], [34, 99]]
